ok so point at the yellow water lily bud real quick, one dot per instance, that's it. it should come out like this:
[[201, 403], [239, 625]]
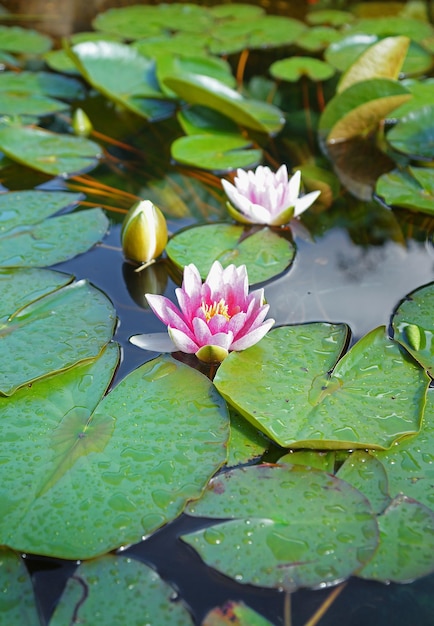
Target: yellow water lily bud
[[81, 124], [144, 232]]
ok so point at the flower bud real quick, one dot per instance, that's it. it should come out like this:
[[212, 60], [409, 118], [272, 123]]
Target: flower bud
[[144, 232], [81, 124]]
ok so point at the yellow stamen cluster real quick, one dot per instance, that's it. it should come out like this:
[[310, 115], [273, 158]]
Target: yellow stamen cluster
[[216, 308]]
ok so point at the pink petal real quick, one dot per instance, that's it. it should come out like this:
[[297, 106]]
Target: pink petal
[[252, 337], [182, 341]]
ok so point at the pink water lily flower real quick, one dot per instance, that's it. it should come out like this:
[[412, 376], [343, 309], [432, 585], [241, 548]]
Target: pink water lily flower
[[214, 317], [265, 197]]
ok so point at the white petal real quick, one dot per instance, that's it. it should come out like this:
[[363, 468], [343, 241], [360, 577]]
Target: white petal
[[303, 203]]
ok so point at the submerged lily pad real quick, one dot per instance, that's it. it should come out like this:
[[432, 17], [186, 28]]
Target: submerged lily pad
[[119, 590], [234, 614], [261, 535], [264, 252], [292, 390], [48, 152], [413, 325], [44, 321], [105, 473]]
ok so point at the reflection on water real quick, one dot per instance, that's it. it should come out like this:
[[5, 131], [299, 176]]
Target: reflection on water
[[333, 280]]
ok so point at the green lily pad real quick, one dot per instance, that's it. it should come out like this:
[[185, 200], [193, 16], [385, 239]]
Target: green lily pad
[[48, 152], [265, 253], [406, 547], [293, 68], [318, 38], [178, 64], [367, 474], [210, 92], [216, 152], [413, 325], [409, 463], [197, 120], [246, 442], [360, 108], [373, 395], [411, 189], [60, 61], [123, 75], [23, 40], [422, 95], [333, 17], [119, 590], [17, 603], [384, 59], [236, 11], [234, 614], [285, 527], [41, 317], [12, 103], [343, 53], [54, 240], [42, 84], [390, 25], [104, 475], [32, 206], [414, 134]]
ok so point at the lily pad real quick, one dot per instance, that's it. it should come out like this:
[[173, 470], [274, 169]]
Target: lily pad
[[390, 25], [18, 208], [411, 189], [246, 442], [23, 40], [118, 590], [285, 527], [53, 241], [409, 463], [367, 474], [17, 603], [264, 252], [334, 17], [413, 325], [406, 547], [42, 84], [123, 75], [360, 108], [105, 475], [197, 120], [216, 152], [318, 38], [343, 53], [293, 68], [383, 59], [422, 95], [373, 395], [311, 458], [414, 134], [48, 152], [40, 317], [210, 92], [179, 64]]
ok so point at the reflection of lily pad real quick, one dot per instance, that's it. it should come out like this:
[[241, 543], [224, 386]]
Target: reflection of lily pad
[[369, 398], [58, 339], [261, 536], [265, 253], [48, 152]]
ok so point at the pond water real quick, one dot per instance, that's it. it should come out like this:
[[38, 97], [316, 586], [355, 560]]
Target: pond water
[[355, 261]]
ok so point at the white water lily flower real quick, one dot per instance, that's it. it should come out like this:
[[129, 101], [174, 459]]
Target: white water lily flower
[[265, 197]]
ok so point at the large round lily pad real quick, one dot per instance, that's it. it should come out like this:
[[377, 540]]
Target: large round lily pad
[[264, 252], [106, 472], [411, 189], [292, 386], [285, 527], [216, 152]]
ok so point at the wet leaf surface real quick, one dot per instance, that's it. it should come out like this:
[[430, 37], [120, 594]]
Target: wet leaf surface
[[118, 590], [17, 600], [264, 253], [287, 527], [296, 390], [414, 134]]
